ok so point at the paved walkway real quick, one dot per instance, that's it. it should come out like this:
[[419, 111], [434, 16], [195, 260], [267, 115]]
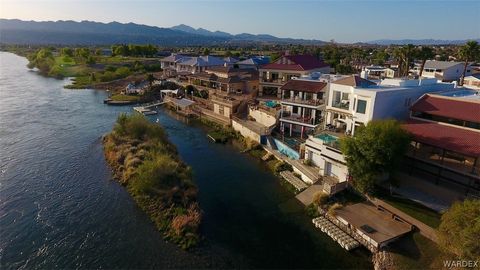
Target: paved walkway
[[306, 196]]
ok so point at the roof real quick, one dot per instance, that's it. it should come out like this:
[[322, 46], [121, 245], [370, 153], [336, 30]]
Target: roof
[[172, 58], [296, 62], [257, 61], [441, 64], [202, 61], [475, 77], [304, 86], [182, 102], [355, 81], [451, 138], [230, 59], [451, 107], [384, 227]]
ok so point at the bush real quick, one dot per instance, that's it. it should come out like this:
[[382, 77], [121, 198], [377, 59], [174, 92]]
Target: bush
[[332, 209], [312, 210], [283, 166], [320, 198], [161, 184], [459, 231]]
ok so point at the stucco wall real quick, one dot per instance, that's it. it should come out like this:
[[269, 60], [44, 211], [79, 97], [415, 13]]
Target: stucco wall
[[245, 131], [263, 118]]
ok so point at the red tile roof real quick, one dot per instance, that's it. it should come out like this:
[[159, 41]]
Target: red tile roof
[[296, 62], [354, 81], [455, 108], [304, 86], [451, 138]]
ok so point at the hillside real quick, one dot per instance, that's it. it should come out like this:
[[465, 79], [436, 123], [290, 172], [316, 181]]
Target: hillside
[[94, 33]]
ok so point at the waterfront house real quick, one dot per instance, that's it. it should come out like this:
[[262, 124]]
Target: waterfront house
[[353, 102], [443, 70], [198, 64], [276, 74], [446, 140], [303, 101], [224, 80]]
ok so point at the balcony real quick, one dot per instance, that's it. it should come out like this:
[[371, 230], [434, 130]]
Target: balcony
[[301, 120], [311, 102], [270, 80], [343, 104]]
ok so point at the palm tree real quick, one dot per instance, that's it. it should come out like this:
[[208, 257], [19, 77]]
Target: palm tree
[[424, 53], [468, 52], [398, 55], [408, 53]]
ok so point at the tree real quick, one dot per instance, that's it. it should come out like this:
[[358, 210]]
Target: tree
[[150, 79], [66, 52], [408, 53], [468, 52], [206, 51], [459, 230], [91, 60], [374, 151], [424, 53]]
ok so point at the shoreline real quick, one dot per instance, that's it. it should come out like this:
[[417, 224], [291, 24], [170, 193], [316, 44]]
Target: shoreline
[[144, 161]]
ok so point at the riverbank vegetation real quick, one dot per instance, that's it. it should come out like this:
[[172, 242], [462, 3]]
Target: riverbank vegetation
[[89, 67], [143, 160]]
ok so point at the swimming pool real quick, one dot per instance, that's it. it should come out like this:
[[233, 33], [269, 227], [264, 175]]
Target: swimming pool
[[271, 103], [326, 137]]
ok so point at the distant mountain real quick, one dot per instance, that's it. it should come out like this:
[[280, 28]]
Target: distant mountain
[[417, 41], [95, 33], [199, 31], [244, 37]]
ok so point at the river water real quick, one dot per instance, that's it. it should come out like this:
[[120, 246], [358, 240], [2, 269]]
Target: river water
[[60, 208]]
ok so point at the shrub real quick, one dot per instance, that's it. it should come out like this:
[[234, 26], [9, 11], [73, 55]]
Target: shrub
[[283, 166], [320, 198], [460, 230], [332, 209], [311, 210]]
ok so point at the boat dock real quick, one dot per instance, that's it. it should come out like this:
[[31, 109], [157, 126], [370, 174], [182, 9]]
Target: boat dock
[[346, 241]]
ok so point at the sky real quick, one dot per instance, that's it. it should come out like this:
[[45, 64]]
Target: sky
[[341, 20]]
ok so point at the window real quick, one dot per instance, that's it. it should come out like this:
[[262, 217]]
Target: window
[[361, 106]]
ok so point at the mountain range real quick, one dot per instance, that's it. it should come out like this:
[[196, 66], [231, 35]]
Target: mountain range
[[13, 31], [418, 41]]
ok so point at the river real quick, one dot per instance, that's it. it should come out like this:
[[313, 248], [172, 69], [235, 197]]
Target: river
[[60, 208]]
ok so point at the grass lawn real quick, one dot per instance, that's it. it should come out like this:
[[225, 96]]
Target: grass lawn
[[412, 208], [120, 97], [414, 251]]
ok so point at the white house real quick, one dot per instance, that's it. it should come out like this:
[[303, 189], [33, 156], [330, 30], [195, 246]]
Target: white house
[[472, 82], [354, 102], [443, 70]]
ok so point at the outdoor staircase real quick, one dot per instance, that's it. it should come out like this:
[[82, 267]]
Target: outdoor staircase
[[292, 179]]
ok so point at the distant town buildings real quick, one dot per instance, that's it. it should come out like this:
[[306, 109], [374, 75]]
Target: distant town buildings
[[443, 70]]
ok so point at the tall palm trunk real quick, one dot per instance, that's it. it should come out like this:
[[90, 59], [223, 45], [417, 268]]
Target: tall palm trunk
[[462, 78], [422, 67]]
